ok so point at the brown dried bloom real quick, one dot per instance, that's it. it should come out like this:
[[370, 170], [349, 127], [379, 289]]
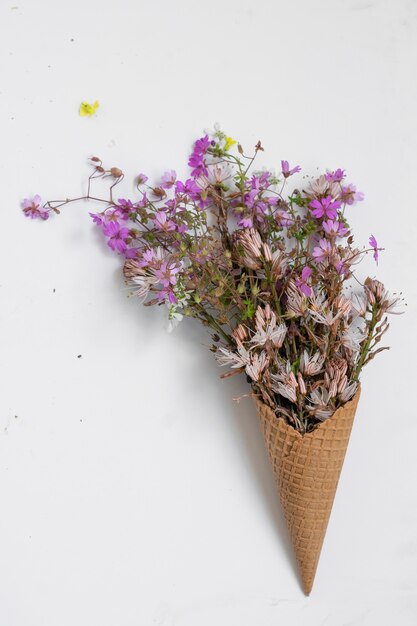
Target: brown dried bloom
[[131, 268]]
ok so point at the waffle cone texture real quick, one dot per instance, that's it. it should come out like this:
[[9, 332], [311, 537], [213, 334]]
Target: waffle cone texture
[[307, 470]]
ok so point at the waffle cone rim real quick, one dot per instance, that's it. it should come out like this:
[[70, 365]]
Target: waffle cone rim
[[354, 400]]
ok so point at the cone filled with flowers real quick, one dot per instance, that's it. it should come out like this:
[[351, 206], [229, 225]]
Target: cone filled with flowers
[[268, 266]]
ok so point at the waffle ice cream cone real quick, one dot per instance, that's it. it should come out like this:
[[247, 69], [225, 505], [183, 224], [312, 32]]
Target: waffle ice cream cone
[[307, 469]]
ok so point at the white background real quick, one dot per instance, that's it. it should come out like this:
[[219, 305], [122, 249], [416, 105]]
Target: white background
[[133, 490]]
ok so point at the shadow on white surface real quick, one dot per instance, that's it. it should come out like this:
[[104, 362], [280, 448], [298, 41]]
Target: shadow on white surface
[[249, 437]]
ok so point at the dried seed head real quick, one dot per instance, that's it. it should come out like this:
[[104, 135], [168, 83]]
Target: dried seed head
[[240, 333], [267, 252], [131, 268], [279, 265]]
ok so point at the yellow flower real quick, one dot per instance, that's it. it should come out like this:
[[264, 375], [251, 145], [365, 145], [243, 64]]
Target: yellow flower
[[87, 109], [229, 143]]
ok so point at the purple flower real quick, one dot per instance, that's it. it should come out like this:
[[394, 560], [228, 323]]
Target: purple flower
[[374, 244], [131, 253], [260, 181], [334, 228], [285, 168], [336, 176], [181, 227], [147, 257], [167, 274], [261, 208], [162, 222], [196, 160], [322, 251], [33, 208], [117, 236], [97, 218], [283, 218], [341, 267], [141, 179], [168, 179], [115, 214], [124, 208], [326, 207], [250, 198], [349, 195], [167, 294], [271, 200], [142, 203], [245, 222], [189, 188], [302, 283]]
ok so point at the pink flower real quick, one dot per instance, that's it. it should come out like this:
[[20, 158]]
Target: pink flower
[[283, 218], [117, 236], [349, 195], [302, 283], [285, 168], [131, 253], [326, 207], [181, 227], [167, 294], [336, 176], [33, 208], [141, 179], [341, 268], [168, 179], [251, 197], [162, 222], [334, 228], [322, 251], [124, 208], [189, 188], [114, 215], [142, 203], [245, 222], [119, 212], [147, 257], [97, 218], [196, 160], [260, 181], [166, 274], [374, 244]]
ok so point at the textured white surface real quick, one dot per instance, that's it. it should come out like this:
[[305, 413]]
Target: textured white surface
[[133, 490]]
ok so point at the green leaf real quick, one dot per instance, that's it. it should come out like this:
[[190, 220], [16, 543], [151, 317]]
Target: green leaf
[[250, 310]]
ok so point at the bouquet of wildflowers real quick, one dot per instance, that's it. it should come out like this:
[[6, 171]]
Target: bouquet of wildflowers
[[266, 265]]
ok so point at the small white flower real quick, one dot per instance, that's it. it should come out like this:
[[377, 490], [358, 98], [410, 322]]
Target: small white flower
[[233, 359], [352, 338], [348, 392], [257, 365], [359, 305], [311, 365], [275, 333], [174, 318], [285, 390], [142, 283], [319, 406], [284, 382]]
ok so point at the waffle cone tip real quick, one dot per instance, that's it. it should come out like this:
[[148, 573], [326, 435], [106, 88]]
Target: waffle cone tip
[[307, 470]]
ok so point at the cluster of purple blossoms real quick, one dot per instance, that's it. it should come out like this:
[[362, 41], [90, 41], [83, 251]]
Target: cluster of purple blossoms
[[196, 160], [266, 271], [33, 207]]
